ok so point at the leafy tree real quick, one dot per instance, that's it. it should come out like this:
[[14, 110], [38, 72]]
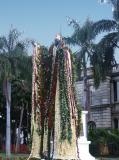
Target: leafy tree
[[14, 62], [21, 104]]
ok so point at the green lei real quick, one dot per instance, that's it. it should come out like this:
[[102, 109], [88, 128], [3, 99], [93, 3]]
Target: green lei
[[66, 132]]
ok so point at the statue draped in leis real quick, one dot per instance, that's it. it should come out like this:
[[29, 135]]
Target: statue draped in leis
[[55, 112]]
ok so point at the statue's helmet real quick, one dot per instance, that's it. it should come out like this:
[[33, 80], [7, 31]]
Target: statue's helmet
[[58, 39]]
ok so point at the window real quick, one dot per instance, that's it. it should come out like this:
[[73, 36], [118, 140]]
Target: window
[[92, 96], [91, 125], [115, 123], [115, 90]]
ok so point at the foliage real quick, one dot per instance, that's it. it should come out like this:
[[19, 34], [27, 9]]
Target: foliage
[[76, 68], [13, 55], [106, 46], [102, 61], [101, 55], [16, 65], [104, 26], [104, 136], [21, 98], [83, 37], [115, 4]]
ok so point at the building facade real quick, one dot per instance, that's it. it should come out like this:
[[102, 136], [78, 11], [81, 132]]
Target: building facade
[[104, 101]]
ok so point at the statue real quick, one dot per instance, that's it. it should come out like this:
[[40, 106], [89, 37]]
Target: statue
[[55, 112]]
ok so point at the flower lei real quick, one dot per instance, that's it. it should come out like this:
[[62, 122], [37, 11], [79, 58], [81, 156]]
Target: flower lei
[[66, 132], [44, 96]]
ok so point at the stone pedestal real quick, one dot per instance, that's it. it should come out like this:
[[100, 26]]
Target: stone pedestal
[[83, 144]]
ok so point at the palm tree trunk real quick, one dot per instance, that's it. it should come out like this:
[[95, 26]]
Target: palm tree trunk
[[8, 125], [19, 130], [85, 83], [86, 88]]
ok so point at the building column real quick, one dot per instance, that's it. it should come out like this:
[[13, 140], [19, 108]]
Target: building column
[[118, 91]]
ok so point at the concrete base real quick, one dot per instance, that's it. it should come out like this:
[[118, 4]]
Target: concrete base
[[83, 145]]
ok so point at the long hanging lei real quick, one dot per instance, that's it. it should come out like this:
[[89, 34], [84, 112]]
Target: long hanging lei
[[67, 98], [66, 132], [43, 78], [46, 91]]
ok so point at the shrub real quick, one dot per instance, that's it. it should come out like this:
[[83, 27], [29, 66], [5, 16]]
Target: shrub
[[104, 136]]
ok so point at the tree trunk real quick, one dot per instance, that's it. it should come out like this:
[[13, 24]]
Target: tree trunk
[[19, 130], [86, 90], [85, 84], [8, 125], [27, 123]]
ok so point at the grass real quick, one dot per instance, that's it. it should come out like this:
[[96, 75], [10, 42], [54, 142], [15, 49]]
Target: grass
[[14, 156]]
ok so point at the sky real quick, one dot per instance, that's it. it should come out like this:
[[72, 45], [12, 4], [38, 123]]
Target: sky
[[41, 20]]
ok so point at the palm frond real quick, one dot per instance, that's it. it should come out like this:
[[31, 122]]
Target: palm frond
[[12, 40], [23, 67], [3, 45], [114, 2], [104, 26], [116, 14], [73, 23], [69, 40], [110, 39], [102, 61], [14, 59], [82, 35]]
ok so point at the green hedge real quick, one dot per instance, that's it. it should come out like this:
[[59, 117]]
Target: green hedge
[[104, 136]]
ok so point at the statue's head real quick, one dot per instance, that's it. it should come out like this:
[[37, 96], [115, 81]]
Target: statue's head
[[58, 37], [58, 40]]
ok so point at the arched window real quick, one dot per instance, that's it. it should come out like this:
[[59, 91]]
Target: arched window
[[91, 125], [115, 123], [92, 95]]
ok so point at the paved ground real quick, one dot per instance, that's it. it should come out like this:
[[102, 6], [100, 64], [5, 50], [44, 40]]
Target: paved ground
[[108, 159]]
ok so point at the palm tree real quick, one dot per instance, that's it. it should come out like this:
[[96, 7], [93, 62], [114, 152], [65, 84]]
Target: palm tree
[[83, 37], [13, 62], [100, 56], [103, 58]]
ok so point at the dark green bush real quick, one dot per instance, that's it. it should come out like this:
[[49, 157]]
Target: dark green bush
[[104, 136]]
